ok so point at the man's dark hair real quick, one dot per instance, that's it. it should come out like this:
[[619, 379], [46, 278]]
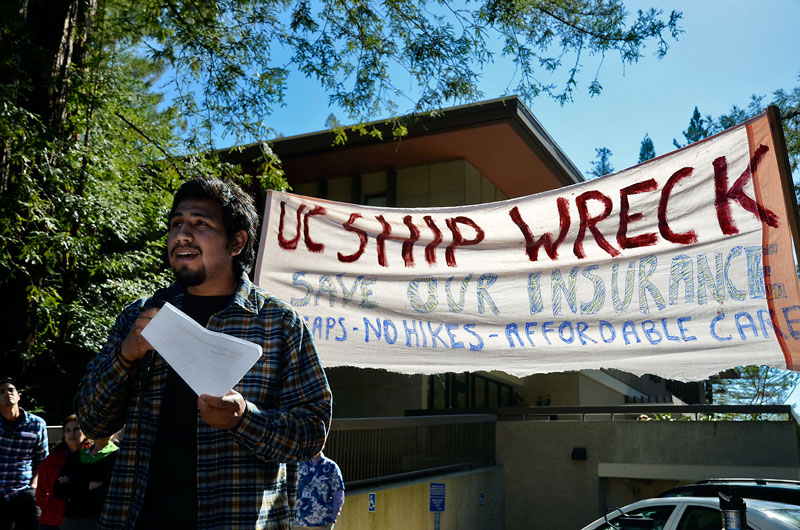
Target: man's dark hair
[[4, 380], [238, 213]]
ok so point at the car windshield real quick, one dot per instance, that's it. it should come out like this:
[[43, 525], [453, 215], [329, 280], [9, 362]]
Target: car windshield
[[789, 516], [659, 514]]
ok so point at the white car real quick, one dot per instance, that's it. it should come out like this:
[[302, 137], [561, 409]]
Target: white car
[[702, 513]]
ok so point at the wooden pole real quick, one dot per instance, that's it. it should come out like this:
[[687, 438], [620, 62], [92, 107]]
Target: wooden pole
[[792, 211]]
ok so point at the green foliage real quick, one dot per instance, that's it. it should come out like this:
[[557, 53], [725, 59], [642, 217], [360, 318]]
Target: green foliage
[[788, 103], [666, 416], [738, 114], [647, 151], [754, 385], [602, 165], [536, 34], [699, 128], [229, 61], [73, 249], [83, 207]]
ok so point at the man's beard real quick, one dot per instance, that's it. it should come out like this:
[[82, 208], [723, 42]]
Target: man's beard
[[190, 278]]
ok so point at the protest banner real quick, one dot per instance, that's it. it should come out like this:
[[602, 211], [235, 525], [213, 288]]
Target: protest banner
[[681, 267]]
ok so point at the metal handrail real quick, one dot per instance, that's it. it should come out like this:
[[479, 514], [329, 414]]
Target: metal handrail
[[511, 413], [399, 477], [349, 424], [373, 451]]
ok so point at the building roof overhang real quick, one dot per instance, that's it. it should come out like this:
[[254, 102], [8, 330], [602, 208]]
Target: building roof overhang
[[501, 138]]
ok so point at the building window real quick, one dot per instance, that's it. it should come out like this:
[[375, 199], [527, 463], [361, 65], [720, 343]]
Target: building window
[[468, 391], [378, 199]]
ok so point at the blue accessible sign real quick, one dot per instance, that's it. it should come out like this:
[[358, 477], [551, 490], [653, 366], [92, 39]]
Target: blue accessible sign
[[437, 497]]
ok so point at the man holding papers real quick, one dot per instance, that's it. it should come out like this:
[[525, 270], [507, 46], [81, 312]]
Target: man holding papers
[[207, 462]]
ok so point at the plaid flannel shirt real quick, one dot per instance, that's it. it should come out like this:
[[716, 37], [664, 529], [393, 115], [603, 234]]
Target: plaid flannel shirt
[[23, 443], [246, 476]]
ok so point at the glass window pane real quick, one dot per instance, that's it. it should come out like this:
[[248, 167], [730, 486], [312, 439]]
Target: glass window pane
[[376, 200], [659, 514], [700, 518], [492, 391], [438, 388], [790, 516], [480, 392]]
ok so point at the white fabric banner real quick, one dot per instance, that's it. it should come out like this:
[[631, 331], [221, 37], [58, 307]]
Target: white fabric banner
[[676, 267]]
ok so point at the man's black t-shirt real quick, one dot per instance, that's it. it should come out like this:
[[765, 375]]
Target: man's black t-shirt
[[171, 497]]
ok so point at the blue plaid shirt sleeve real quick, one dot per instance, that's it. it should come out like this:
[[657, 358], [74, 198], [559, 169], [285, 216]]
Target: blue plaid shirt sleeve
[[102, 399], [295, 429], [41, 451]]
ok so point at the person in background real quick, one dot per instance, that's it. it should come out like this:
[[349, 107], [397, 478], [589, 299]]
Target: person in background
[[83, 483], [320, 494], [23, 447], [52, 507]]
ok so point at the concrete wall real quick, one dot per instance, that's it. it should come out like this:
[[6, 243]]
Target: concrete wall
[[626, 461], [560, 389], [570, 389], [594, 393], [452, 183], [340, 189], [365, 393], [407, 506]]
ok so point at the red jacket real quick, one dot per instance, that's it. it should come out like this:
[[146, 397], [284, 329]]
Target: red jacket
[[52, 507]]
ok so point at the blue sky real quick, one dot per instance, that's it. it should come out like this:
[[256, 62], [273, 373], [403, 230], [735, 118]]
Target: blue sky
[[729, 50]]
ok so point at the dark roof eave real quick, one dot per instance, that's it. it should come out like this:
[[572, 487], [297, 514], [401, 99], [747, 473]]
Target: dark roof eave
[[509, 109], [558, 160]]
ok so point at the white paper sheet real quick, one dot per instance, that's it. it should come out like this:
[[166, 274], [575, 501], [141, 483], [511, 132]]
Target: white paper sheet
[[210, 362]]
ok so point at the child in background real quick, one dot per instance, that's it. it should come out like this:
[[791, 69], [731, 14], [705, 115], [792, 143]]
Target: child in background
[[72, 440], [83, 483], [320, 494]]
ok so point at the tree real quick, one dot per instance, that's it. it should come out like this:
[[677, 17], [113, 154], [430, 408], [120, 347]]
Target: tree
[[73, 160], [238, 54], [602, 166], [84, 133], [754, 385], [788, 103], [698, 129], [647, 151]]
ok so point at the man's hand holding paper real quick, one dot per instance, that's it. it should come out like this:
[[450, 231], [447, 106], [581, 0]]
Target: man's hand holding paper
[[135, 347], [211, 363], [222, 412]]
